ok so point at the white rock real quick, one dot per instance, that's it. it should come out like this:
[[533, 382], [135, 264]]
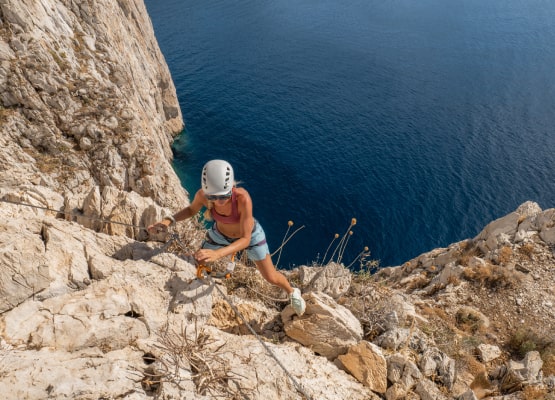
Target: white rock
[[326, 327]]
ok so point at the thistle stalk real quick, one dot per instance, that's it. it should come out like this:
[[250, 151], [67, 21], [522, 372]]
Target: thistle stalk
[[343, 239]]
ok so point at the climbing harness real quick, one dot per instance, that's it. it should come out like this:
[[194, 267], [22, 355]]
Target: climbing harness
[[203, 272]]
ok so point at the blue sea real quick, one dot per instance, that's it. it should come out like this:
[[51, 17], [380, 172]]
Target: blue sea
[[424, 120]]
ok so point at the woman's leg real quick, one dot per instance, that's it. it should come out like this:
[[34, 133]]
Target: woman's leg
[[274, 277]]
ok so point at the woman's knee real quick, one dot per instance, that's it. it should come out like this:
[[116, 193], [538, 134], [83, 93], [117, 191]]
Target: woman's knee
[[274, 278], [267, 270]]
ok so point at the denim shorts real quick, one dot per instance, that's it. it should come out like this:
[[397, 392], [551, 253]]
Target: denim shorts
[[256, 251]]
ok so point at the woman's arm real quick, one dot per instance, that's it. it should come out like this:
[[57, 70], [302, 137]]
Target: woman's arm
[[198, 202]]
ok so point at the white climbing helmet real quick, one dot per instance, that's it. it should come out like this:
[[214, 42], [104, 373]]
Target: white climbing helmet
[[217, 177]]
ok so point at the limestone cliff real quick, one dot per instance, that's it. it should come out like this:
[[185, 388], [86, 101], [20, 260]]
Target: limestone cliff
[[86, 99], [95, 309]]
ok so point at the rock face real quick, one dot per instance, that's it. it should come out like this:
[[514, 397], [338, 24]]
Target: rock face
[[86, 99], [92, 307], [78, 317]]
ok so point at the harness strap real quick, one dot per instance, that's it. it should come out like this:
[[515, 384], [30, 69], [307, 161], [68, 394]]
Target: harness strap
[[211, 241]]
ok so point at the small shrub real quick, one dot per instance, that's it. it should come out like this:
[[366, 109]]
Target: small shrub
[[435, 312], [467, 252], [505, 254], [548, 357], [492, 276], [527, 249], [453, 280], [420, 281], [471, 320], [524, 340]]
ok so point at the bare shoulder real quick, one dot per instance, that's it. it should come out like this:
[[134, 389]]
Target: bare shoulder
[[200, 198], [243, 197], [242, 194]]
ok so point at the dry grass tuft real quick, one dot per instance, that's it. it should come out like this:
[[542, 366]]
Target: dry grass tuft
[[548, 357], [527, 249], [195, 352], [505, 255], [535, 393], [467, 252], [468, 363], [470, 320], [246, 282], [420, 281], [492, 276]]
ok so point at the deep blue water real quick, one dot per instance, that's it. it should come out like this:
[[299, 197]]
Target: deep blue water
[[425, 120]]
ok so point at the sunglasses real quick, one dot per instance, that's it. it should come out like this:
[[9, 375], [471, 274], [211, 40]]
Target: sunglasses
[[214, 197]]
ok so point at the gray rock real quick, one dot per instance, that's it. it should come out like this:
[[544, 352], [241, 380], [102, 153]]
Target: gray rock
[[333, 279]]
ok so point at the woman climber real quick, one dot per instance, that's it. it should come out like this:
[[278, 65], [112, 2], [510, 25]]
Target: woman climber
[[234, 228]]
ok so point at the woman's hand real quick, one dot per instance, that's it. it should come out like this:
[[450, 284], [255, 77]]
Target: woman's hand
[[206, 255], [158, 227]]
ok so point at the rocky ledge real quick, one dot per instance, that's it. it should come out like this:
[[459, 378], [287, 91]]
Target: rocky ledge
[[86, 314], [92, 307]]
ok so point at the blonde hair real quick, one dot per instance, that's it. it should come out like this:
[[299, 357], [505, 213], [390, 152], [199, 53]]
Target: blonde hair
[[208, 212]]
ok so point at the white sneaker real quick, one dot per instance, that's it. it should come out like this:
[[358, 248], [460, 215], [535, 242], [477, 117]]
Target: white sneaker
[[297, 302]]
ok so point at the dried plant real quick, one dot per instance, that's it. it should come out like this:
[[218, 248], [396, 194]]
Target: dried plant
[[286, 238], [366, 266], [470, 320], [369, 303], [246, 282], [527, 249], [467, 251], [195, 352], [340, 248], [505, 254], [492, 276]]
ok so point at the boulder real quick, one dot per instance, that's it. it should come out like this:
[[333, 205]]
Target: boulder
[[427, 390], [488, 239], [488, 352], [333, 279], [366, 362], [435, 363], [402, 372], [326, 327], [397, 338]]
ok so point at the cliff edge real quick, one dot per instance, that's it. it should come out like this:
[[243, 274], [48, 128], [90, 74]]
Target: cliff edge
[[91, 307], [87, 100]]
